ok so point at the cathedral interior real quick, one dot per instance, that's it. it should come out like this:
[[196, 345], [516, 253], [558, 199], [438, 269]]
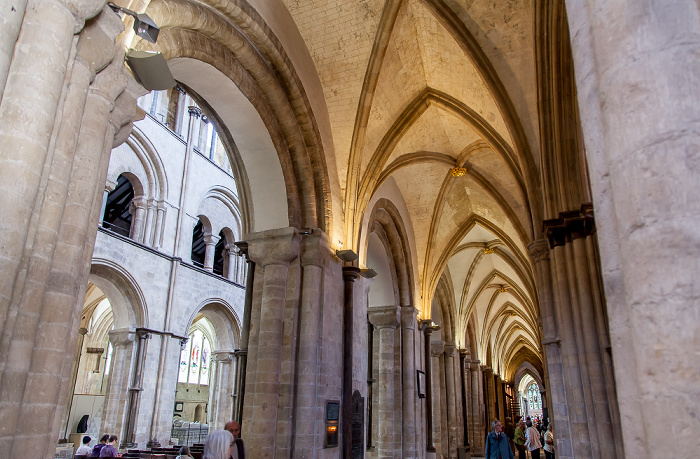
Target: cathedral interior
[[362, 228]]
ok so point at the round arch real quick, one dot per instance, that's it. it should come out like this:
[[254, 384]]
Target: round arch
[[125, 295]]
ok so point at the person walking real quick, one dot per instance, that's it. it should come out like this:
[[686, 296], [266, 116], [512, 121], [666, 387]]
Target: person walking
[[533, 441], [549, 442], [219, 445], [497, 446], [519, 440]]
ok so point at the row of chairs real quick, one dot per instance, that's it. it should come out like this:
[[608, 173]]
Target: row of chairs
[[170, 452]]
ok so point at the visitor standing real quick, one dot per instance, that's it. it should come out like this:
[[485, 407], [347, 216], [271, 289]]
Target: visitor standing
[[533, 441], [519, 440], [497, 446], [549, 443], [220, 445]]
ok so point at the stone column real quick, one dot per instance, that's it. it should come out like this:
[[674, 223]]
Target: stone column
[[242, 353], [477, 411], [437, 348], [160, 218], [114, 412], [41, 290], [490, 395], [138, 222], [643, 173], [221, 390], [500, 399], [408, 337], [451, 399], [202, 139], [180, 114], [385, 319], [465, 379], [148, 236], [210, 241], [232, 263], [428, 327], [194, 113], [315, 253], [272, 250]]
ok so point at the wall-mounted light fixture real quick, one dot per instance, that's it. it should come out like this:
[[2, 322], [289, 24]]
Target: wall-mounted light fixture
[[348, 256], [143, 24], [368, 273]]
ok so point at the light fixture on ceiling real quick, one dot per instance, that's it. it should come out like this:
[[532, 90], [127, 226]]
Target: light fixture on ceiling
[[143, 24], [348, 256], [488, 251], [458, 171]]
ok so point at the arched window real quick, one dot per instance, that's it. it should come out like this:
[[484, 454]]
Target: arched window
[[195, 360], [534, 399], [198, 246], [219, 254], [117, 215]]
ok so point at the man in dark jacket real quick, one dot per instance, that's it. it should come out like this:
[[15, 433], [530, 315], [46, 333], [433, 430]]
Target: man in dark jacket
[[497, 446], [235, 429]]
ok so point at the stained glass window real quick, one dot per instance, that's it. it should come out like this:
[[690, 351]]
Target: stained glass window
[[195, 360], [534, 399], [184, 362]]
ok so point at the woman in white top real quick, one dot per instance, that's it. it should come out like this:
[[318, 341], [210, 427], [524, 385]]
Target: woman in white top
[[84, 450], [549, 443], [532, 440]]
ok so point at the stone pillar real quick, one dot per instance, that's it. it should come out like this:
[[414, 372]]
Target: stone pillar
[[627, 67], [180, 114], [315, 253], [451, 396], [158, 232], [232, 263], [385, 319], [138, 222], [477, 411], [408, 337], [490, 395], [242, 353], [202, 138], [210, 241], [114, 412], [437, 348], [150, 221], [194, 113], [428, 327], [465, 379], [221, 390], [272, 250], [109, 187], [56, 167], [500, 399]]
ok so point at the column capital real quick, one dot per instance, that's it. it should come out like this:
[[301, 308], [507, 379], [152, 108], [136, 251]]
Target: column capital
[[210, 239], [475, 365], [487, 370], [384, 316], [121, 337], [437, 348], [194, 111], [222, 356], [450, 349], [570, 225], [315, 248], [82, 331], [539, 250], [274, 247], [409, 314]]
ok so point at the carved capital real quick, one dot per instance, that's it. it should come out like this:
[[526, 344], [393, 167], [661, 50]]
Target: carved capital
[[121, 337], [315, 248], [409, 315], [450, 349], [570, 225], [539, 250], [384, 316], [274, 247], [195, 112], [437, 348]]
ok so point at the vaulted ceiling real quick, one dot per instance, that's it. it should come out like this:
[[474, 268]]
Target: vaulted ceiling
[[403, 91], [414, 88]]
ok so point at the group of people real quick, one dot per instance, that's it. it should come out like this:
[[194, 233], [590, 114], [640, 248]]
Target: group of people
[[107, 447], [503, 441], [221, 444]]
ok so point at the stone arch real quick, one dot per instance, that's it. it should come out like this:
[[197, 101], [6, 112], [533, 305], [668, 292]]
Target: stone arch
[[444, 299], [524, 369], [221, 208], [195, 36], [224, 320], [386, 221], [125, 295]]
